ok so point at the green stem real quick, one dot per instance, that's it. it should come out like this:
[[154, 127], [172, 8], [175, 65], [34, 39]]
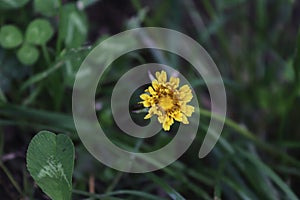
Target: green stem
[[11, 178], [92, 195], [220, 33], [120, 174], [59, 37], [1, 141], [136, 4], [248, 134], [2, 96], [292, 98], [229, 123], [119, 192], [46, 55], [289, 105], [114, 183]]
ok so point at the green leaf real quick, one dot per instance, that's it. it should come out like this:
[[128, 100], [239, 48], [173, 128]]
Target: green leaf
[[82, 4], [40, 76], [12, 4], [50, 161], [225, 4], [173, 194], [73, 60], [73, 26], [28, 54], [39, 32], [296, 64], [2, 97], [271, 174], [1, 141], [47, 8], [10, 36], [56, 121]]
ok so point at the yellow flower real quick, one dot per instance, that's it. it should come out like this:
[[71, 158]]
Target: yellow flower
[[167, 101]]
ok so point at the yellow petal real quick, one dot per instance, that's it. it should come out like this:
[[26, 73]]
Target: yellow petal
[[161, 118], [155, 84], [161, 77], [174, 82], [171, 121], [188, 110], [184, 119], [148, 116], [159, 113], [146, 104], [166, 127], [153, 110], [151, 91], [167, 123], [150, 113], [184, 89], [185, 94], [187, 98], [144, 96], [178, 116]]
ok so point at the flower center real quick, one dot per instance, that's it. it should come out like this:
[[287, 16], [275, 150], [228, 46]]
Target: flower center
[[166, 102]]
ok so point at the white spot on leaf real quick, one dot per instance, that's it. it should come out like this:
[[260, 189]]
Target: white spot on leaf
[[53, 169]]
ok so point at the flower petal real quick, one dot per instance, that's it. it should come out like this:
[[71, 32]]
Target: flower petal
[[161, 77], [167, 123], [185, 94], [148, 116], [174, 82], [144, 96], [187, 110], [161, 118], [155, 84], [151, 90], [178, 116], [146, 104], [184, 119]]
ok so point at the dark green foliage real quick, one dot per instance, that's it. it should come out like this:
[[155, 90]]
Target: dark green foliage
[[255, 45]]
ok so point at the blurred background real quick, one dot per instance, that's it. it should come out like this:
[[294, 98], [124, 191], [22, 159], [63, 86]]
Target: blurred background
[[255, 45]]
